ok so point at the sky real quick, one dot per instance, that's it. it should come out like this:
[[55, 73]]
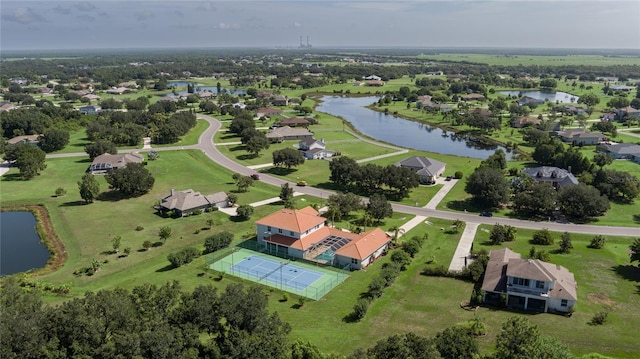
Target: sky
[[104, 24]]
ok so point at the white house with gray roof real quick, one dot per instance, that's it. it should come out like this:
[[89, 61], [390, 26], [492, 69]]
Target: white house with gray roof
[[426, 168], [621, 151], [188, 201], [528, 284], [107, 162], [558, 177]]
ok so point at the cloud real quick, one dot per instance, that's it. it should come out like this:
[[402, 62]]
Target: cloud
[[62, 10], [225, 26], [145, 15], [85, 6], [296, 24], [23, 15], [206, 6]]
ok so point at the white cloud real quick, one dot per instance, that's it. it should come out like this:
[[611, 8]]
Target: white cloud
[[225, 26], [23, 15]]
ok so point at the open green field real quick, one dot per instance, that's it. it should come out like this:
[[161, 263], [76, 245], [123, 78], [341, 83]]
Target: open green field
[[531, 60], [606, 281]]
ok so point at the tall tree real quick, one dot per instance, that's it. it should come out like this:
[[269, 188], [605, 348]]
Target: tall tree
[[286, 195], [89, 188], [100, 147], [30, 161], [488, 187], [344, 203], [131, 180], [456, 343], [257, 143], [343, 170], [378, 207], [582, 201], [53, 140], [287, 157]]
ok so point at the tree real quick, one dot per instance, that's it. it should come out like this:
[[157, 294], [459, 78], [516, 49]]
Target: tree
[[257, 143], [502, 233], [634, 249], [548, 83], [401, 258], [344, 203], [488, 186], [498, 160], [378, 207], [286, 195], [597, 242], [565, 243], [543, 237], [589, 99], [582, 201], [533, 136], [517, 339], [165, 233], [241, 122], [617, 185], [53, 140], [182, 257], [30, 161], [244, 182], [602, 159], [115, 243], [217, 241], [100, 147], [538, 199], [360, 308], [89, 188], [618, 102], [131, 180], [244, 212], [456, 343], [343, 170], [287, 157]]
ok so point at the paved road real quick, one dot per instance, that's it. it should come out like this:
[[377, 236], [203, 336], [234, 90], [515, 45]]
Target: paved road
[[207, 146]]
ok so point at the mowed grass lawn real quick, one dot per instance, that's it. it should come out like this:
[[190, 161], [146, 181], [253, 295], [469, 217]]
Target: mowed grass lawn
[[87, 230], [606, 281]]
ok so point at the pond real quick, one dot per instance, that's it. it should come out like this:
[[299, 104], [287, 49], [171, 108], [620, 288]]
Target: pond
[[20, 247], [401, 132], [553, 96]]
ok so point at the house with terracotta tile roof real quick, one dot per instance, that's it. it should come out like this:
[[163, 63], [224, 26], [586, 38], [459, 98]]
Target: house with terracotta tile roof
[[292, 233], [528, 284]]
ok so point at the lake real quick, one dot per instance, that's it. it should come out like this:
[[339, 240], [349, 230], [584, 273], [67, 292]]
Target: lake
[[401, 132], [553, 96], [20, 247]]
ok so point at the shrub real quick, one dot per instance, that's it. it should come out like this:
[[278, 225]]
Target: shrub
[[146, 245], [360, 309], [457, 175], [502, 233], [389, 273], [60, 192], [244, 212], [513, 171], [565, 243], [401, 258], [376, 287], [139, 228], [182, 257], [217, 242], [127, 251], [543, 237], [439, 271], [285, 297], [599, 318], [197, 212], [597, 242]]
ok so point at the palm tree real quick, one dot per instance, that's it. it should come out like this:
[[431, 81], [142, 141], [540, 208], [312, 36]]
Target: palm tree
[[397, 232]]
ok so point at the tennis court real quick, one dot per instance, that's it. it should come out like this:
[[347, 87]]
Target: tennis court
[[291, 276]]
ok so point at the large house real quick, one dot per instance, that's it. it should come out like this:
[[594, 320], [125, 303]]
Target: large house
[[580, 137], [627, 111], [626, 151], [520, 122], [29, 139], [107, 162], [313, 149], [558, 177], [426, 168], [268, 111], [302, 234], [188, 201], [294, 122], [528, 284], [287, 133], [90, 109]]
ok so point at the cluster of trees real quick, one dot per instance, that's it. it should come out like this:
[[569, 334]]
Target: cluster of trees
[[217, 242], [132, 180], [342, 204], [38, 120], [128, 128], [147, 322], [371, 178], [29, 159]]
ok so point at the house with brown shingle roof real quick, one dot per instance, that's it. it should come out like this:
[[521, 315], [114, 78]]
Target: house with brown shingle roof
[[525, 121], [107, 162], [472, 97], [268, 111], [580, 137], [294, 122], [184, 203], [528, 284], [287, 133], [29, 139], [303, 234]]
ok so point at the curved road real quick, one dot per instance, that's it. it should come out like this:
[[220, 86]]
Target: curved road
[[207, 146]]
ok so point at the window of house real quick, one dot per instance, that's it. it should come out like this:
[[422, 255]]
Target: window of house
[[354, 261], [269, 228], [539, 284], [563, 303], [279, 230], [521, 281], [291, 233]]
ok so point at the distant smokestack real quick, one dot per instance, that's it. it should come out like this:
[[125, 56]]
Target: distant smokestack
[[301, 41], [307, 40]]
